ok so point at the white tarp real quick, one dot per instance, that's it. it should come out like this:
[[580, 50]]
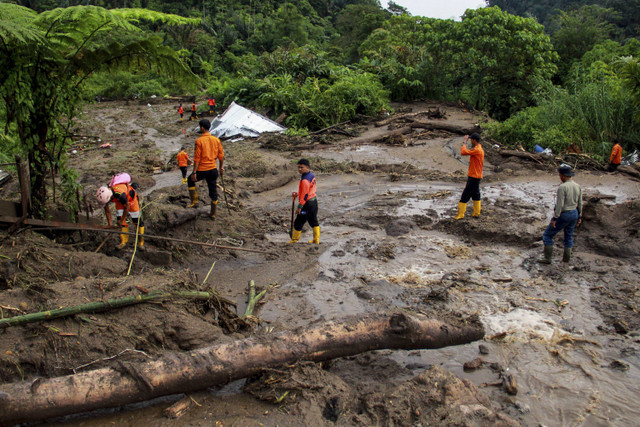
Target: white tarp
[[240, 121]]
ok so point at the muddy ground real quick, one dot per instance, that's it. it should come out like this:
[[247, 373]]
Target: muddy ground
[[568, 333]]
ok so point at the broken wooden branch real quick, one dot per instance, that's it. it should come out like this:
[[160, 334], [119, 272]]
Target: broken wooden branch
[[198, 369], [53, 225], [99, 306]]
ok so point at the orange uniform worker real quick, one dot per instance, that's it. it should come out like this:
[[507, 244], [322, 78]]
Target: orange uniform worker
[[212, 104], [181, 112], [474, 176], [307, 204], [616, 156], [126, 200], [193, 112], [183, 161], [207, 152]]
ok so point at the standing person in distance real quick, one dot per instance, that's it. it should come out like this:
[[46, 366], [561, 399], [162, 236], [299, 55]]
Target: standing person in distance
[[474, 176], [183, 161], [307, 210], [181, 112], [616, 156], [207, 155], [194, 115], [212, 104], [566, 215]]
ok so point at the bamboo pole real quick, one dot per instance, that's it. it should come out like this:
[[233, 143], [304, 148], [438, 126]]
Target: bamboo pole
[[48, 225], [201, 368], [98, 306], [253, 299]]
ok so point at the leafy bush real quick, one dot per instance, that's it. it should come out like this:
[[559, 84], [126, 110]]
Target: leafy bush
[[589, 113], [127, 85]]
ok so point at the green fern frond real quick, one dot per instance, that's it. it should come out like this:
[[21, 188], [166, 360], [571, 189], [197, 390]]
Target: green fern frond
[[137, 15], [16, 26]]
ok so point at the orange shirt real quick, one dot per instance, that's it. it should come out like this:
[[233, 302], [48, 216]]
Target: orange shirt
[[180, 110], [183, 158], [193, 107], [616, 155], [212, 102], [306, 188], [476, 162], [208, 150], [132, 198]]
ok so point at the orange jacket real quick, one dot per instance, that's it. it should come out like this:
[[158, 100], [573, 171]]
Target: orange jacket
[[208, 149], [306, 188], [180, 110], [193, 107], [120, 191], [616, 155], [476, 162], [212, 102], [183, 158]]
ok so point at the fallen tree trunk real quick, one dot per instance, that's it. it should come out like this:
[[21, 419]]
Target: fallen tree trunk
[[461, 130], [206, 367]]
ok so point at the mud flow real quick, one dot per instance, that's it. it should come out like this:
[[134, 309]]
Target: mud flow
[[562, 343]]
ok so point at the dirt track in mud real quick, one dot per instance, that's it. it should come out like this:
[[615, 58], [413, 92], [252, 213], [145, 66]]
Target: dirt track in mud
[[568, 333]]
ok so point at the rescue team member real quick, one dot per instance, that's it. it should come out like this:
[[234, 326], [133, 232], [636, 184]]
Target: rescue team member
[[181, 112], [474, 176], [566, 216], [193, 112], [307, 204], [208, 150], [212, 103], [126, 199], [183, 161], [616, 156]]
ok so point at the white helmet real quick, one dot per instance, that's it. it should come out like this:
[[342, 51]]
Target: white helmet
[[103, 195]]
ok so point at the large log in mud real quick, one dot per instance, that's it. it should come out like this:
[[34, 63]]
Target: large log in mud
[[206, 367], [461, 130]]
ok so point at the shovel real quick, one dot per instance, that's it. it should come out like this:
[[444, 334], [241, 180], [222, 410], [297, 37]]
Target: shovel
[[293, 210]]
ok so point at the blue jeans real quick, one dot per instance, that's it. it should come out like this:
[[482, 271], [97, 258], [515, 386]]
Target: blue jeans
[[567, 222]]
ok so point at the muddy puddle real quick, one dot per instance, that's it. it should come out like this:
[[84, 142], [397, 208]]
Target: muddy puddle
[[568, 371]]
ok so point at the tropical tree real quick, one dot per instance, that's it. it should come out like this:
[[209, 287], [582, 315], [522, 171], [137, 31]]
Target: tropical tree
[[503, 60], [576, 31], [45, 60]]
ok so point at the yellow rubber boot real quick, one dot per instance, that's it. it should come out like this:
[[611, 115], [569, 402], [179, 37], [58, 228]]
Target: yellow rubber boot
[[193, 193], [141, 238], [184, 180], [462, 208], [214, 206], [477, 207], [316, 235], [295, 236], [124, 238]]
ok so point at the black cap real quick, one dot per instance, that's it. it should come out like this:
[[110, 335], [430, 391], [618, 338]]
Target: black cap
[[475, 136], [303, 162], [566, 170]]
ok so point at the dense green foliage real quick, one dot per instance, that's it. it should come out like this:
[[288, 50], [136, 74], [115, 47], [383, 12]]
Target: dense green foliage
[[45, 60], [556, 72]]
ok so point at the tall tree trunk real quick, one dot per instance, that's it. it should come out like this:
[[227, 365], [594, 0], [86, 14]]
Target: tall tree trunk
[[206, 367]]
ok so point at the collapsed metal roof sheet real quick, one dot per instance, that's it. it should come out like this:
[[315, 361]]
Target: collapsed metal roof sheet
[[237, 120]]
